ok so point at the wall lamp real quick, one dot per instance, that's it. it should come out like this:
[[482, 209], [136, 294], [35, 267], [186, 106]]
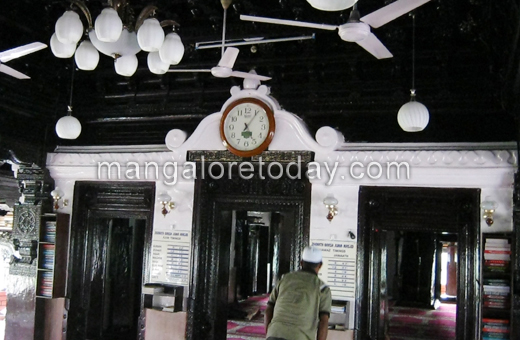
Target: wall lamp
[[488, 206], [167, 204], [57, 195], [331, 202]]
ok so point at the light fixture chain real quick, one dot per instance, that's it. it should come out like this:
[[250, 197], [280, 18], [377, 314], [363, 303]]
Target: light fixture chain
[[69, 109], [413, 52]]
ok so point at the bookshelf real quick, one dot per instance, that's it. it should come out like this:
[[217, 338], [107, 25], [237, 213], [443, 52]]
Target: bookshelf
[[497, 281], [53, 248]]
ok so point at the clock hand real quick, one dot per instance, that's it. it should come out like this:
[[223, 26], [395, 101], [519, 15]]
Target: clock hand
[[248, 124], [246, 128]]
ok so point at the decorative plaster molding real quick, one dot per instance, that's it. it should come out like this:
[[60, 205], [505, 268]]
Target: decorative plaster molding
[[426, 158], [418, 158]]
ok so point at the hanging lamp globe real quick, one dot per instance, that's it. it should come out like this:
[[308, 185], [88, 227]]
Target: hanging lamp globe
[[108, 25], [332, 5], [150, 35], [69, 28], [68, 127], [172, 50], [156, 65], [413, 116], [87, 57], [61, 50], [126, 65]]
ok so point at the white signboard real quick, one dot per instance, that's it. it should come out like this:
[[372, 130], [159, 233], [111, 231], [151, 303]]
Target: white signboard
[[171, 252], [339, 267]]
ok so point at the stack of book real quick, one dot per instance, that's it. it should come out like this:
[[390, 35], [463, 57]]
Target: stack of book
[[47, 256], [45, 288], [497, 255], [50, 232], [497, 293], [493, 329]]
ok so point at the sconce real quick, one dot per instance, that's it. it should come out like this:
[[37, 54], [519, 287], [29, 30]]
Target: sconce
[[57, 195], [331, 202], [167, 204], [489, 206]]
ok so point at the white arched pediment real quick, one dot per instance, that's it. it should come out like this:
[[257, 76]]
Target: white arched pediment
[[291, 132]]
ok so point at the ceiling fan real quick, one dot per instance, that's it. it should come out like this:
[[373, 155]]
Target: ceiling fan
[[18, 52], [224, 68], [356, 29]]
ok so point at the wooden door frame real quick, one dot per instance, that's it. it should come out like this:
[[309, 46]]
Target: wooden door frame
[[114, 200], [418, 209], [212, 196]]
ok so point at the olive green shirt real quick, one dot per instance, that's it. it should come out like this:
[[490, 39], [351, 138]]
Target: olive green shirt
[[299, 299]]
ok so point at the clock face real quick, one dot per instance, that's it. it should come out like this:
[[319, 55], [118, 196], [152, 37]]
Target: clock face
[[247, 127]]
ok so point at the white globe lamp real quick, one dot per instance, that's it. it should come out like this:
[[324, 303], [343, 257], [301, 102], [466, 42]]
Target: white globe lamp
[[68, 127], [69, 28], [413, 116], [126, 65], [150, 35], [108, 25], [87, 57], [61, 50], [172, 50], [332, 5], [156, 65]]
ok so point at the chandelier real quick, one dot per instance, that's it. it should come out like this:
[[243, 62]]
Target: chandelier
[[114, 35]]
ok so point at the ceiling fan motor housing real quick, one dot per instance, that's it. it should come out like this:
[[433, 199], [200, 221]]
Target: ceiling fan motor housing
[[354, 31]]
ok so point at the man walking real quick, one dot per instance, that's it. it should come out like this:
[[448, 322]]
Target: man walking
[[299, 305]]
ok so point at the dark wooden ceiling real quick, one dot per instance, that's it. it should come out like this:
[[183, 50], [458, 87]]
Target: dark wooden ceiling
[[466, 66]]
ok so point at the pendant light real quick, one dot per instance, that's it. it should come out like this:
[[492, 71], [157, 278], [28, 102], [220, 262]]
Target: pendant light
[[60, 49], [108, 25], [413, 116], [86, 56], [69, 127], [332, 5], [69, 28]]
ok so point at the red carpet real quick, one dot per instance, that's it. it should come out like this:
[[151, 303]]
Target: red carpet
[[407, 323], [249, 329]]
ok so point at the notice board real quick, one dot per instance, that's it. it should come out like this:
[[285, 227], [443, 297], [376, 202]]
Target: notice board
[[171, 252], [339, 267]]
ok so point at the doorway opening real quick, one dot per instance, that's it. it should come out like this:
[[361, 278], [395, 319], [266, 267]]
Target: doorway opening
[[417, 273], [422, 224], [253, 270]]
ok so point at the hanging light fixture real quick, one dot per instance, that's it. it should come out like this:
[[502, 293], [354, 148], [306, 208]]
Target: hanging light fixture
[[156, 65], [108, 25], [114, 36], [61, 50], [150, 35], [126, 65], [172, 50], [413, 116], [69, 127], [332, 5], [86, 56], [69, 28]]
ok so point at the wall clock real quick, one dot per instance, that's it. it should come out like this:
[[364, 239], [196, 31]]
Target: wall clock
[[247, 127]]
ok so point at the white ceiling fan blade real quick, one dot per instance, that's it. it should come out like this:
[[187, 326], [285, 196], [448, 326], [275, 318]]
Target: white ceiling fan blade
[[375, 47], [21, 51], [229, 57], [12, 72], [246, 75], [188, 70], [288, 22], [390, 12]]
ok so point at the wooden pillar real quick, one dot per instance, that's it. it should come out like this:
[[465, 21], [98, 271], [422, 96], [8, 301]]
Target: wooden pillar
[[21, 288]]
